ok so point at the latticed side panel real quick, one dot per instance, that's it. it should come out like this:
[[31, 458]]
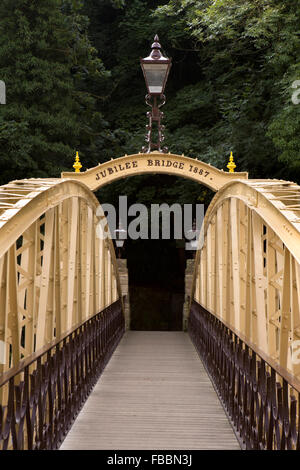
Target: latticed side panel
[[246, 276], [57, 274]]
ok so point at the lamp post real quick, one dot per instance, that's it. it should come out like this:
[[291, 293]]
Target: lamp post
[[156, 69]]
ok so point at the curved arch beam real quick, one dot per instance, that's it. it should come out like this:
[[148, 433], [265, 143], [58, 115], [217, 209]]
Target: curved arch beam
[[41, 196], [273, 200], [247, 267], [155, 162], [32, 198], [56, 268]]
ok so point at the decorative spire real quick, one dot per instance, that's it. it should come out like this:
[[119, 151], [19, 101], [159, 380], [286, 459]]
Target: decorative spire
[[77, 165], [156, 44], [231, 165], [155, 53]]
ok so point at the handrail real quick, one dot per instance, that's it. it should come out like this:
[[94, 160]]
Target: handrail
[[42, 396], [261, 399], [290, 378], [6, 376]]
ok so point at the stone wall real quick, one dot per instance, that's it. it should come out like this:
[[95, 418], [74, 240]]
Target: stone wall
[[188, 287], [123, 273]]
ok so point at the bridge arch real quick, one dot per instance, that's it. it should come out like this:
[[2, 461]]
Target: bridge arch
[[247, 268], [154, 162], [55, 270], [57, 278]]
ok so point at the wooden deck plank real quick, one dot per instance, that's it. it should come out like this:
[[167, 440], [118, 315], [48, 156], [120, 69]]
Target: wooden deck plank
[[153, 394]]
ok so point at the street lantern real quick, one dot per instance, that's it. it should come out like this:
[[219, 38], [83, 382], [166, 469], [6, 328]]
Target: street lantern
[[193, 237], [120, 236], [156, 69]]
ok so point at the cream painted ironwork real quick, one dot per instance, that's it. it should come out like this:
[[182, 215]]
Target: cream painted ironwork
[[247, 272], [154, 162], [55, 272]]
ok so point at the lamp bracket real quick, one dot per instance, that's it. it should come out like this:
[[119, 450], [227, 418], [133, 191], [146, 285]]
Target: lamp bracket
[[155, 115]]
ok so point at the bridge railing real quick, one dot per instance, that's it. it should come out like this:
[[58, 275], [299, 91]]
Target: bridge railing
[[261, 399], [41, 397]]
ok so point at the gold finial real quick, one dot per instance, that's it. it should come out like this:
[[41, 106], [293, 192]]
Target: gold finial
[[77, 165], [231, 165]]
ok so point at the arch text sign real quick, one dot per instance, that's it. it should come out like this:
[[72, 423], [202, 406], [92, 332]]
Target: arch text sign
[[155, 162]]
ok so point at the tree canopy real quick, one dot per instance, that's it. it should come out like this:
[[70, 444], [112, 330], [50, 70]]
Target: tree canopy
[[74, 82], [50, 69]]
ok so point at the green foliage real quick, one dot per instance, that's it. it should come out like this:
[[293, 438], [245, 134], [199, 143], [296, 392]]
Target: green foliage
[[230, 88], [234, 62], [48, 64], [248, 52]]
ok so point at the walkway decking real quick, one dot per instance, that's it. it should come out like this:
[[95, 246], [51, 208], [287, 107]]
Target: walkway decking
[[153, 394]]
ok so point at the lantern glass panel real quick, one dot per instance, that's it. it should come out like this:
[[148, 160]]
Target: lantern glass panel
[[155, 77]]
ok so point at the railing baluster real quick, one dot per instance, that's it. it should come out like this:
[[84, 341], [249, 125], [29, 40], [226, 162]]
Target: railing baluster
[[42, 405], [261, 403]]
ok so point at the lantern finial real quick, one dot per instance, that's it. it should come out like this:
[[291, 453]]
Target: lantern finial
[[155, 53], [231, 165], [77, 165]]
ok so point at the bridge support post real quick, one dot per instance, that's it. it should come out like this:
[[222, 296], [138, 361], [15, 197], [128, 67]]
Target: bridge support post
[[189, 272], [123, 274]]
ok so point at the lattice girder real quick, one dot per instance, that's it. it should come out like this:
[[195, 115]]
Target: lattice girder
[[254, 283], [51, 263]]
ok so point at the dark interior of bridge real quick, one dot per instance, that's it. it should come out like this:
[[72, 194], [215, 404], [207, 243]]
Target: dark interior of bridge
[[156, 284], [156, 268]]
